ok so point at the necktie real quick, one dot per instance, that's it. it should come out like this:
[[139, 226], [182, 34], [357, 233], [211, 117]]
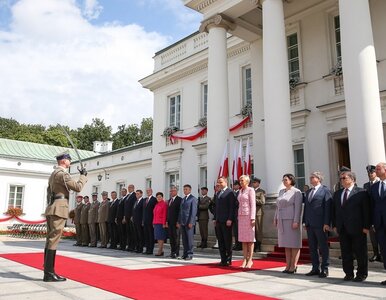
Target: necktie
[[311, 194], [345, 198], [170, 201], [382, 189]]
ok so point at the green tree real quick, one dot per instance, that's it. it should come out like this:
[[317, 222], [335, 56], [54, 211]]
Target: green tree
[[8, 128], [97, 131], [125, 136], [146, 130], [54, 135]]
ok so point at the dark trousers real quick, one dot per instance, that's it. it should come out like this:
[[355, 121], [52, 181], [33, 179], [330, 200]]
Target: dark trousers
[[122, 234], [174, 237], [78, 229], [187, 240], [351, 245], [130, 230], [113, 233], [138, 237], [381, 238], [318, 243], [224, 237], [148, 231], [374, 242], [203, 225]]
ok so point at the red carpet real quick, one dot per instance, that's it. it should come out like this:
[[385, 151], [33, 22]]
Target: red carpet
[[160, 283]]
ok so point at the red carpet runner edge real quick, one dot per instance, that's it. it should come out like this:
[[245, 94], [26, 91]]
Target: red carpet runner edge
[[160, 283]]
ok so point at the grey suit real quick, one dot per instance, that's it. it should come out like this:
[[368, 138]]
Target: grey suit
[[187, 215]]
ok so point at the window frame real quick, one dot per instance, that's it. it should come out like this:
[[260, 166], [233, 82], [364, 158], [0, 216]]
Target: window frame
[[246, 84], [174, 117], [204, 99], [16, 186], [299, 179]]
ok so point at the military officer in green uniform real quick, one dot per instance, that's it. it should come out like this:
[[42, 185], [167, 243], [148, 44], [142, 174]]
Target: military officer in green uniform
[[60, 184]]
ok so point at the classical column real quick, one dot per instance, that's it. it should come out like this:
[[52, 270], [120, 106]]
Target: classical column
[[218, 99], [277, 110], [361, 89]]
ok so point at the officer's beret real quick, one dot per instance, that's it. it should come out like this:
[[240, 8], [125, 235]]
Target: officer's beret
[[64, 155]]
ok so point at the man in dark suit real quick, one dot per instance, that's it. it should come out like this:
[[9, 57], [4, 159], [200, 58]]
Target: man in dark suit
[[137, 219], [174, 204], [187, 221], [223, 220], [351, 219], [122, 234], [129, 204], [113, 227], [378, 196], [317, 221], [148, 207], [372, 175]]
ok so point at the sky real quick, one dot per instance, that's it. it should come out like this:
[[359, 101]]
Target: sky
[[69, 61]]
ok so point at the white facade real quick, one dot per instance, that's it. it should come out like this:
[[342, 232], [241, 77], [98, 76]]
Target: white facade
[[327, 120]]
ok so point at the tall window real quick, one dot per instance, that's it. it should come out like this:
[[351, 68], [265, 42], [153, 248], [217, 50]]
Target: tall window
[[337, 39], [148, 183], [175, 111], [204, 99], [293, 56], [15, 198], [247, 85], [95, 189], [299, 166], [119, 187], [203, 177], [172, 179]]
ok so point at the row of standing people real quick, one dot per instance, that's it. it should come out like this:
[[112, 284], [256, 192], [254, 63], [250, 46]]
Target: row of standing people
[[350, 211]]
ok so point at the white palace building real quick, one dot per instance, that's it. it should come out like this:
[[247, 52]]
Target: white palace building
[[311, 72]]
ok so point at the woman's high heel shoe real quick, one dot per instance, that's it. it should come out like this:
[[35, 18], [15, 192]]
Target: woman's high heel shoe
[[293, 271], [285, 271], [160, 254], [243, 264], [249, 264]]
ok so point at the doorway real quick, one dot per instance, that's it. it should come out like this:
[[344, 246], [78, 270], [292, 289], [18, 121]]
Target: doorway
[[339, 153]]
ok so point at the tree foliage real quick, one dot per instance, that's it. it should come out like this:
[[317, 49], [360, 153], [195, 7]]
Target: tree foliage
[[83, 138]]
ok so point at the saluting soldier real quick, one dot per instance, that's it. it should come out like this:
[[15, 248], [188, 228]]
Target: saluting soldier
[[84, 221], [78, 228], [59, 185], [93, 219]]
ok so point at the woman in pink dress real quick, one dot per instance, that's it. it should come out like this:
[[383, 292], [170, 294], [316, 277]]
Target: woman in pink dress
[[246, 219]]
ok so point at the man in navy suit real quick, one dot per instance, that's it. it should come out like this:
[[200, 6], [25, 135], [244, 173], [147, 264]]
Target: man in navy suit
[[127, 219], [148, 206], [351, 219], [187, 221], [223, 219], [316, 220], [113, 228], [137, 221], [174, 205], [378, 196], [122, 234]]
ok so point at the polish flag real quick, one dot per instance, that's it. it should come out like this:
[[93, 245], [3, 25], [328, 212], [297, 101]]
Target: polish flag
[[239, 165], [247, 160], [224, 169], [234, 163]]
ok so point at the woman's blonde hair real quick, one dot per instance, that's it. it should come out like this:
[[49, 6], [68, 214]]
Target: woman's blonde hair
[[245, 178]]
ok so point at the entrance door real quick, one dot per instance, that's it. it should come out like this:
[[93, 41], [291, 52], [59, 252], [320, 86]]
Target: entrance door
[[339, 154]]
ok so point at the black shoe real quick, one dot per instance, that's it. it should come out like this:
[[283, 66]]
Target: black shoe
[[285, 271], [323, 274], [188, 258], [159, 254], [174, 256], [293, 271], [52, 277], [360, 278], [313, 272], [383, 282], [76, 244], [348, 277], [375, 257]]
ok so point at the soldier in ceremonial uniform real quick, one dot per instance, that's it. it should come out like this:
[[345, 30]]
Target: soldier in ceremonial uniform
[[84, 221], [78, 227], [60, 184], [103, 215], [93, 219]]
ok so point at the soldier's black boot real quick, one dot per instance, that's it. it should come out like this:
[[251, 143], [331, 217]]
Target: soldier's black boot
[[49, 273], [44, 258], [60, 277], [204, 244]]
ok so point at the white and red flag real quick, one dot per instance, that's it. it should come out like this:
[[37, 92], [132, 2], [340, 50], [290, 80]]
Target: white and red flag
[[239, 164], [224, 169], [248, 160]]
